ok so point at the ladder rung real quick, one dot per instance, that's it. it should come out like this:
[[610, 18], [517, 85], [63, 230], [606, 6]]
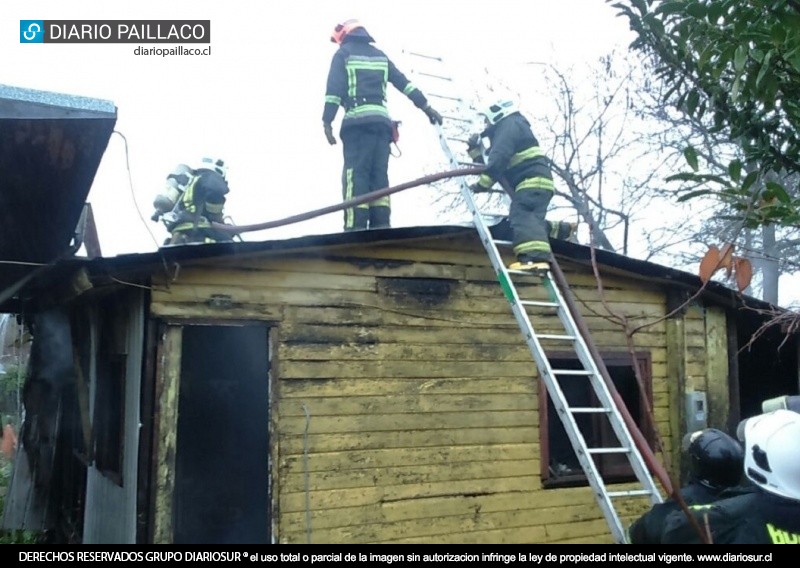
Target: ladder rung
[[589, 410], [539, 304], [503, 243], [459, 119], [529, 273], [423, 55], [435, 76], [619, 450], [572, 372], [556, 337], [446, 97], [631, 493]]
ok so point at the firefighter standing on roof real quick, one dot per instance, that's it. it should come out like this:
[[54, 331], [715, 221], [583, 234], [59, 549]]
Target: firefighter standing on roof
[[192, 200], [514, 153], [357, 80]]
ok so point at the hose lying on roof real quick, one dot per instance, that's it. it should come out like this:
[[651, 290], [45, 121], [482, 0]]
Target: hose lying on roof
[[366, 198]]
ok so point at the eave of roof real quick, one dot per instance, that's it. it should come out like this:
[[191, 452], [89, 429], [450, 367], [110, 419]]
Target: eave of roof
[[165, 256], [51, 145]]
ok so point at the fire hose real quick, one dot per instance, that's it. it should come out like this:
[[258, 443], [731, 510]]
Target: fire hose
[[366, 198]]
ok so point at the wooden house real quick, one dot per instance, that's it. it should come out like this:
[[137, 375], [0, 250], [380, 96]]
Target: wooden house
[[368, 387], [362, 387]]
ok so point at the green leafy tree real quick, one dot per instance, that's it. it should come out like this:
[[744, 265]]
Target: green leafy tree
[[738, 63]]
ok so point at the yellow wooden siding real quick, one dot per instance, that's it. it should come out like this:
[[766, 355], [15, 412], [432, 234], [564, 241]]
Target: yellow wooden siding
[[418, 416]]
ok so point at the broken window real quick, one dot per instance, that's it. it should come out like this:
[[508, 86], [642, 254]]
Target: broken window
[[560, 465]]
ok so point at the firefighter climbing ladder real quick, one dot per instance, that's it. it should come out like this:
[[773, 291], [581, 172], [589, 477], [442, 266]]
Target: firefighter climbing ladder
[[453, 110]]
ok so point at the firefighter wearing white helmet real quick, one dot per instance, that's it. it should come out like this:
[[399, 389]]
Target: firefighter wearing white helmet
[[192, 200], [516, 158], [770, 514], [213, 164]]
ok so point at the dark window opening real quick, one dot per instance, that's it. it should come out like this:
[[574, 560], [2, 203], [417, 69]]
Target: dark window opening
[[82, 356], [560, 465], [109, 408]]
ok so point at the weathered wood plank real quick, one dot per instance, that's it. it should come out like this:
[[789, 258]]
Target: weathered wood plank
[[168, 389], [381, 316], [336, 498], [402, 369], [323, 480], [422, 403], [270, 278], [337, 461], [295, 444], [244, 311], [292, 332], [443, 526], [511, 535], [579, 529], [400, 351], [481, 531], [523, 504], [371, 386], [311, 351], [387, 422]]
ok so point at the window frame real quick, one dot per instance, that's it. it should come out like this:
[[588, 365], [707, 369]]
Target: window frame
[[611, 473]]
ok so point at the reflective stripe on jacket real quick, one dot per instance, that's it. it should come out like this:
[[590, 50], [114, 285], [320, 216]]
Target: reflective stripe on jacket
[[515, 155], [357, 80]]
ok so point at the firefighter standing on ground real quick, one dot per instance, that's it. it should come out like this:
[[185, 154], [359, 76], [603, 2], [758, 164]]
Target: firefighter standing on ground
[[357, 81], [770, 514], [715, 470], [192, 199]]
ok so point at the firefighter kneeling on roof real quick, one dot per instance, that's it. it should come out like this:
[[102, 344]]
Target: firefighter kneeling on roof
[[191, 201]]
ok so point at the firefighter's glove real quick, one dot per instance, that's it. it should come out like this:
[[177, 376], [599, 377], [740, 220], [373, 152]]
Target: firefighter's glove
[[474, 141], [328, 127], [433, 116], [478, 188]]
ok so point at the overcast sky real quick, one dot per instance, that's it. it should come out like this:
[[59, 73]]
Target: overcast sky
[[256, 101]]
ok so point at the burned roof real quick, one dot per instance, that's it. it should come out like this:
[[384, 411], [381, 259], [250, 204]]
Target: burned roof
[[147, 263], [51, 145]]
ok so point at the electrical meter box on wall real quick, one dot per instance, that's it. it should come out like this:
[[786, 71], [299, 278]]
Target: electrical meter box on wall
[[696, 411]]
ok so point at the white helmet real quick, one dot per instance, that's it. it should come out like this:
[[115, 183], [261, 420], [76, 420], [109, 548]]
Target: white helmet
[[772, 452], [213, 164], [497, 111]]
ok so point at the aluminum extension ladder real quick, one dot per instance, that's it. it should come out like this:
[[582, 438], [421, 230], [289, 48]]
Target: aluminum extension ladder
[[571, 337]]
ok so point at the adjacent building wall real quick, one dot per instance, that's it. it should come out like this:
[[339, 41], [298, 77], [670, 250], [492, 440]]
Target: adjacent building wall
[[110, 512]]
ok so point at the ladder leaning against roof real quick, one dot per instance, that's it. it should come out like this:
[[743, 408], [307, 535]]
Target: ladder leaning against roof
[[608, 405]]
